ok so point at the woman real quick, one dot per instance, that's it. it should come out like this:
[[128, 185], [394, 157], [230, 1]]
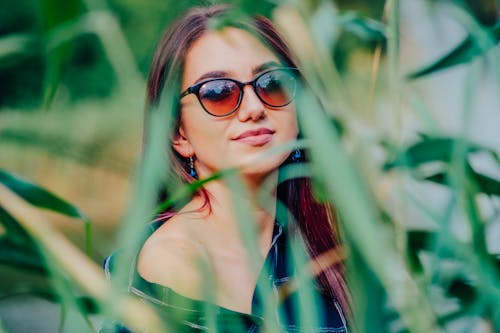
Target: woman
[[236, 103]]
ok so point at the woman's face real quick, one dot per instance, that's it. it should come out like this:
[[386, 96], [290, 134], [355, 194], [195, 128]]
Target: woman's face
[[216, 142]]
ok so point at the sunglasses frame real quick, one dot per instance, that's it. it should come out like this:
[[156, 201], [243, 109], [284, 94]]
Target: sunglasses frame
[[195, 89]]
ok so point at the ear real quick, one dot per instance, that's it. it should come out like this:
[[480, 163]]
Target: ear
[[181, 143]]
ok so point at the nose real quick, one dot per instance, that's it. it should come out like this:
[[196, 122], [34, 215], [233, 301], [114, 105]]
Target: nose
[[251, 107]]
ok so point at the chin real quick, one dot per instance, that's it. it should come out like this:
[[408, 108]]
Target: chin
[[262, 168]]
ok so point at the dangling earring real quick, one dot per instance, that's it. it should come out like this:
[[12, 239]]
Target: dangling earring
[[192, 171], [296, 155]]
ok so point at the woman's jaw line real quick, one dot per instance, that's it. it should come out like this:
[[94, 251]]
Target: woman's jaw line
[[251, 174]]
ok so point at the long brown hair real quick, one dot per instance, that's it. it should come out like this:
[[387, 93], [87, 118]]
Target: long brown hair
[[316, 222]]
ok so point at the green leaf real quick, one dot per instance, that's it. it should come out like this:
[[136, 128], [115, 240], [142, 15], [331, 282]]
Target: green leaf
[[54, 13], [418, 240], [15, 232], [327, 25], [15, 47], [462, 290], [484, 11], [485, 183], [466, 51], [187, 190], [431, 149], [38, 196], [88, 305], [21, 256], [363, 27], [424, 240], [441, 150]]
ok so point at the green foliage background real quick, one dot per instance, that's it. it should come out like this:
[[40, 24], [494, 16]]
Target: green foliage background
[[72, 79]]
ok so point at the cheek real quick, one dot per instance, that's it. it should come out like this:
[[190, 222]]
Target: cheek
[[288, 120], [295, 125], [204, 134]]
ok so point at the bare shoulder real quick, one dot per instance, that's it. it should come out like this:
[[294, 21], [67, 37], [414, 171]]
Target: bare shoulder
[[174, 257]]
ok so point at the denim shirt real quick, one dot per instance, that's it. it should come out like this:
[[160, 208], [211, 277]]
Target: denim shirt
[[183, 314]]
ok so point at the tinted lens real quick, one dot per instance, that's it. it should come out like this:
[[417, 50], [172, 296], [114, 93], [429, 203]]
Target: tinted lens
[[219, 97], [277, 87]]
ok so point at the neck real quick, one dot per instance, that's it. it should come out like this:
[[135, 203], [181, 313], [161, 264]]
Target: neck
[[255, 203]]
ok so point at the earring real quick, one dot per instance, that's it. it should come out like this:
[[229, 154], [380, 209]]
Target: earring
[[296, 155], [192, 171]]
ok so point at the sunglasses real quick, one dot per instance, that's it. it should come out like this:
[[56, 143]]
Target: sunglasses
[[222, 96]]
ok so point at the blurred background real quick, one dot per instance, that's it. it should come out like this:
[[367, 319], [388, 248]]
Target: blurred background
[[72, 81]]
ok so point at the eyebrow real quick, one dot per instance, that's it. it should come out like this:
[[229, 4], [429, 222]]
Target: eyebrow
[[211, 75], [224, 74], [265, 66]]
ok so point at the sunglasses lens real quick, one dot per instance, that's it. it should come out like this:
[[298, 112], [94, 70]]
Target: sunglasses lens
[[276, 88], [219, 97]]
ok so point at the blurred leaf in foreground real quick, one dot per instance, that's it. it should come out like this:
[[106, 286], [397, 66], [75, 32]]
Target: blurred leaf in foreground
[[15, 47], [21, 256], [55, 12], [39, 196], [466, 51], [485, 11], [442, 149], [431, 149], [17, 249], [363, 27], [485, 183]]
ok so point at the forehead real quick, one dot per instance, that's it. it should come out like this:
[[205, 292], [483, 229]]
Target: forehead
[[231, 50]]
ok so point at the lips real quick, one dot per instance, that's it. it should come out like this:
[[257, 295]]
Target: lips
[[257, 137]]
